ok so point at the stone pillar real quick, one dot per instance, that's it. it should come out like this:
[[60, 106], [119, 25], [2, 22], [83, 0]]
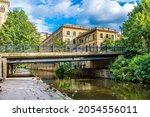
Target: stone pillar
[[4, 61], [1, 68]]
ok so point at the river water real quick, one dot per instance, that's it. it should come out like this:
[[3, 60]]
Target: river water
[[91, 88]]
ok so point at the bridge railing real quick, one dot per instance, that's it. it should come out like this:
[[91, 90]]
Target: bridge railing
[[30, 49]]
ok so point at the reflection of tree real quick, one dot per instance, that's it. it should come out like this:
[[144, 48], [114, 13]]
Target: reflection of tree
[[130, 91], [66, 84]]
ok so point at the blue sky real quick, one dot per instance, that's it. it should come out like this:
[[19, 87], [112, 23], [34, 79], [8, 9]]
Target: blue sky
[[48, 15]]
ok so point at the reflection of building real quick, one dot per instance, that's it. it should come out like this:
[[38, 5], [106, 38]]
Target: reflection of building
[[4, 4], [81, 36], [66, 33]]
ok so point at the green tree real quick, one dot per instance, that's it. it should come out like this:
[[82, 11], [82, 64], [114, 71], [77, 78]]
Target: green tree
[[59, 46], [137, 27], [59, 43], [18, 30], [108, 41]]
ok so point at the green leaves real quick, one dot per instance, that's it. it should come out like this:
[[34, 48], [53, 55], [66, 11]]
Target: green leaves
[[18, 30], [137, 68], [137, 27], [64, 69]]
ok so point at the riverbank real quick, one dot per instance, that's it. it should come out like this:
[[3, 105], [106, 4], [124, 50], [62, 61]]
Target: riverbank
[[28, 89]]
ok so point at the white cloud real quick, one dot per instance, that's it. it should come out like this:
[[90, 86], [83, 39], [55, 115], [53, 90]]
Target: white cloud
[[41, 9], [127, 0], [106, 13]]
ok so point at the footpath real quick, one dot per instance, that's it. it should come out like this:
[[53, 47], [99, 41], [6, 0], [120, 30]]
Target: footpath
[[28, 89]]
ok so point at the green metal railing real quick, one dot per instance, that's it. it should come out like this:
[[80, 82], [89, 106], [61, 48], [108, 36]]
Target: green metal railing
[[30, 49]]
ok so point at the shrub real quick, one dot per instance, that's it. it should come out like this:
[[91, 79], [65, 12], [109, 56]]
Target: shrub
[[119, 69], [64, 69], [137, 68], [140, 65]]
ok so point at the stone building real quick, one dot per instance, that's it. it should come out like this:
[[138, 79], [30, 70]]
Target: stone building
[[96, 36], [66, 33], [75, 35], [4, 5]]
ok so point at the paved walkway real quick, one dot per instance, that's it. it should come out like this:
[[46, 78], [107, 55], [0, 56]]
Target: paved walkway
[[26, 89]]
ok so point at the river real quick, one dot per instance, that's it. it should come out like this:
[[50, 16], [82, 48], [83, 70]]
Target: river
[[91, 88]]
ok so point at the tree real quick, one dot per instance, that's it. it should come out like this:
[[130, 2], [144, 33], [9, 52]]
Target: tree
[[18, 30], [108, 41], [59, 46], [137, 27]]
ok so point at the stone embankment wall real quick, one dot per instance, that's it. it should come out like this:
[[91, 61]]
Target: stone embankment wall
[[103, 73]]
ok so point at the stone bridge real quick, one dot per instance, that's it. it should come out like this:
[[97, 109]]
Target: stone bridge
[[13, 55]]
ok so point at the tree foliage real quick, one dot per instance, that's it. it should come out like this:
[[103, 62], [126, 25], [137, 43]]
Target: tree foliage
[[108, 41], [18, 30], [137, 28], [137, 68]]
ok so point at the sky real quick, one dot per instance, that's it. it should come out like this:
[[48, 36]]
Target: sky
[[48, 15]]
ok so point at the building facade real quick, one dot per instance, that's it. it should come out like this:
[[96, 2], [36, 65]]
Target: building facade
[[66, 33], [96, 36], [4, 5], [75, 35]]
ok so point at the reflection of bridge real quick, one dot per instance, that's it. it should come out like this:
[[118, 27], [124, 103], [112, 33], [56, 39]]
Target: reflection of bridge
[[41, 54]]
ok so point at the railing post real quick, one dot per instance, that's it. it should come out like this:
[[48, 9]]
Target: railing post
[[89, 48], [6, 48], [23, 48], [114, 48], [106, 48], [38, 48], [1, 68], [76, 48]]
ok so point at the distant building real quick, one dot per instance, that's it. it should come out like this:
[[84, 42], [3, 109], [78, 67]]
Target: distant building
[[95, 37], [43, 36], [4, 5], [66, 33], [75, 35]]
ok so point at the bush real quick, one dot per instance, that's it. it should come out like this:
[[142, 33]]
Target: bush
[[64, 69], [140, 65], [119, 69], [137, 68]]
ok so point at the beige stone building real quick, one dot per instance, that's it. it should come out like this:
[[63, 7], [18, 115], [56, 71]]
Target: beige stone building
[[96, 36], [76, 35], [4, 5], [66, 33]]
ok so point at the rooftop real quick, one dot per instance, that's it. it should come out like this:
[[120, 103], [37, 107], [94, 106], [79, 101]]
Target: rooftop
[[75, 26]]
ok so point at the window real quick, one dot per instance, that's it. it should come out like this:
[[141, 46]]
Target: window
[[60, 34], [74, 33], [81, 41], [93, 36], [101, 35], [68, 41], [74, 41], [107, 36], [68, 32], [2, 9], [112, 36]]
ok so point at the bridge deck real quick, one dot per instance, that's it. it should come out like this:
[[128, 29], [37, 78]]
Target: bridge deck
[[57, 54]]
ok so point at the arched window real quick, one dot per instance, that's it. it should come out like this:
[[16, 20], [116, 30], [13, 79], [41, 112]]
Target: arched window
[[68, 32], [74, 33], [68, 41], [2, 8]]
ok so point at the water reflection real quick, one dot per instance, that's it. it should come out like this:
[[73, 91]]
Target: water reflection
[[98, 89]]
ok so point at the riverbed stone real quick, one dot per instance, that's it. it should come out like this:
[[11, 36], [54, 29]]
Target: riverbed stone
[[26, 89]]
